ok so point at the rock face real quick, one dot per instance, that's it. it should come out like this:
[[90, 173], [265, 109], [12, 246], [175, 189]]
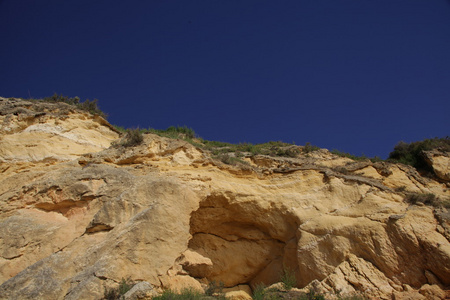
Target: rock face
[[77, 216], [440, 162], [34, 132]]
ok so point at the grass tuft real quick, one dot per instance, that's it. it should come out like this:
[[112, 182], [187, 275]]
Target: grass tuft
[[259, 291], [288, 278], [186, 294], [117, 293], [214, 288], [88, 105], [133, 137]]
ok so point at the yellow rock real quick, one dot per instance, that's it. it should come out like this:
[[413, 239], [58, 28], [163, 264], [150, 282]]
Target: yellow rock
[[77, 216], [238, 295]]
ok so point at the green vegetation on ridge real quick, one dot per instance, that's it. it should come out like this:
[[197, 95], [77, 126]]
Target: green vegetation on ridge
[[87, 105], [354, 157], [413, 153], [407, 153], [222, 149]]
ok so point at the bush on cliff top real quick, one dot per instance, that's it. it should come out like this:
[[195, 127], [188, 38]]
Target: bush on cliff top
[[87, 105], [413, 153], [175, 132], [133, 137]]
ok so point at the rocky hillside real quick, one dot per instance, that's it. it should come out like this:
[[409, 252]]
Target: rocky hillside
[[78, 215]]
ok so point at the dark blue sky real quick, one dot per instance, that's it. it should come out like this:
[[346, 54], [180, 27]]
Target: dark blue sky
[[353, 75]]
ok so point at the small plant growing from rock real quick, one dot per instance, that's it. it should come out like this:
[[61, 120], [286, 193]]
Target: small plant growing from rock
[[400, 189], [186, 294], [231, 160], [312, 295], [87, 105], [214, 288], [288, 278], [428, 199], [308, 148], [259, 291], [133, 137], [117, 293]]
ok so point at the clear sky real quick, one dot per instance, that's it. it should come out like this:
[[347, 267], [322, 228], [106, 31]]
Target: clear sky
[[353, 75]]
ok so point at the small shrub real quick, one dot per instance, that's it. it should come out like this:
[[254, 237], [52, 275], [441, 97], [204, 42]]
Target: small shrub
[[376, 159], [231, 160], [413, 153], [186, 294], [184, 130], [87, 105], [174, 132], [288, 278], [354, 297], [117, 293], [213, 288], [348, 155], [400, 189], [288, 152], [120, 128], [272, 148], [111, 294], [308, 148], [133, 137], [259, 291], [312, 295], [429, 199], [125, 286], [91, 107]]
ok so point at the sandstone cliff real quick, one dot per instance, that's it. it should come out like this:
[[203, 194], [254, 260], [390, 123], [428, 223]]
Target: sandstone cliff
[[77, 215]]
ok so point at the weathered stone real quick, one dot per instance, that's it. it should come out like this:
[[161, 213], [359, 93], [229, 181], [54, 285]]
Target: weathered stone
[[432, 292], [241, 287], [440, 162], [408, 295], [75, 221], [195, 264], [179, 283], [141, 290], [238, 295]]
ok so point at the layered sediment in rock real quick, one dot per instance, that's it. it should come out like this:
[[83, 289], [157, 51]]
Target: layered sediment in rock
[[77, 215]]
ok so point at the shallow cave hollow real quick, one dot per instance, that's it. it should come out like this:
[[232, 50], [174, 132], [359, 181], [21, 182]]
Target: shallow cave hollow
[[248, 242]]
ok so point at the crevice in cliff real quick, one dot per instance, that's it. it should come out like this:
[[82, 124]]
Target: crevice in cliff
[[358, 271], [94, 228], [64, 207], [3, 170], [442, 216], [12, 257]]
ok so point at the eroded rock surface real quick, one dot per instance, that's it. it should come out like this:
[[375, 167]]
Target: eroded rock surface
[[77, 216], [440, 162], [35, 131]]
